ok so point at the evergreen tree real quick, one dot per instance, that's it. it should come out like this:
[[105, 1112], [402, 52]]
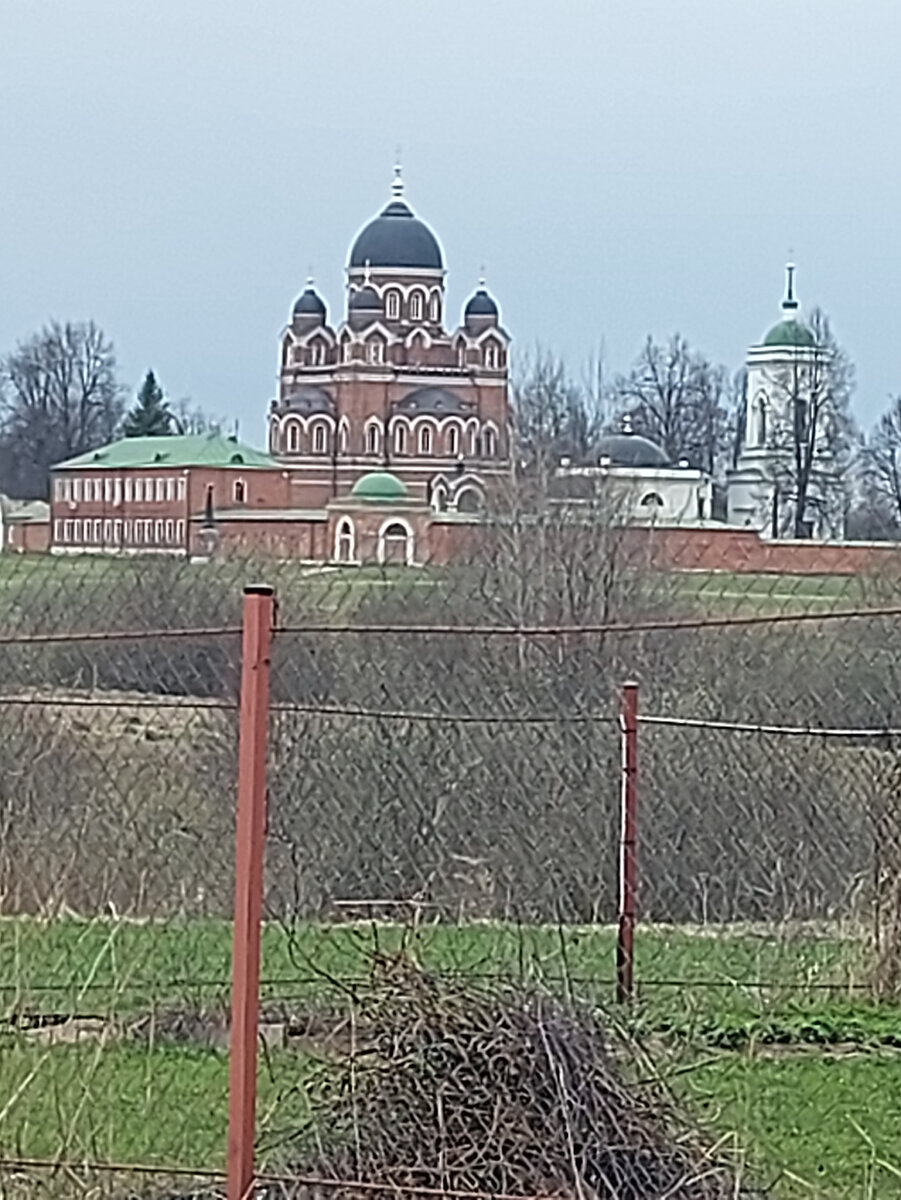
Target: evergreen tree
[[150, 416]]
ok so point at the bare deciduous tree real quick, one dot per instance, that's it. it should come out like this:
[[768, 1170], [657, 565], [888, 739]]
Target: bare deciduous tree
[[882, 467], [188, 418], [677, 397], [59, 396], [555, 416]]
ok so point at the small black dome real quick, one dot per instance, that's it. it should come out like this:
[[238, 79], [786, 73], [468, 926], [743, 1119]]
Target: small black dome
[[480, 305], [367, 298], [631, 450], [309, 304], [397, 239]]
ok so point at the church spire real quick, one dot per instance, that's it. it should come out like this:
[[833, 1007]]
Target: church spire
[[790, 303]]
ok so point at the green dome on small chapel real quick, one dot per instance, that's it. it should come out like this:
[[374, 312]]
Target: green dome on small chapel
[[789, 333], [379, 487]]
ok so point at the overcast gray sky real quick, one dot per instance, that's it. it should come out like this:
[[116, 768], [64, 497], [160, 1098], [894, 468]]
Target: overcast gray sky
[[171, 168]]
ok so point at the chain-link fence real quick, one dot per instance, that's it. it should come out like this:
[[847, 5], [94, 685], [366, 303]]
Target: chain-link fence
[[443, 861]]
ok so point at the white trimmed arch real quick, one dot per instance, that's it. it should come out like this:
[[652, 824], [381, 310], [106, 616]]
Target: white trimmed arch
[[396, 536], [345, 541]]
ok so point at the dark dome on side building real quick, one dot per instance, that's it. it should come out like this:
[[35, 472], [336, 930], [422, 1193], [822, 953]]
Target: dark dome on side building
[[631, 450], [309, 303], [481, 304], [396, 238], [366, 298]]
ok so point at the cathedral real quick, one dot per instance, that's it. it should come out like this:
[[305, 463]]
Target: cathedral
[[389, 387]]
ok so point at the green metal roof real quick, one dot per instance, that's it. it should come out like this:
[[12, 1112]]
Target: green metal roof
[[192, 450], [789, 333], [380, 487]]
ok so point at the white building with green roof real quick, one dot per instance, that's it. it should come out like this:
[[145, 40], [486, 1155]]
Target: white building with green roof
[[782, 370]]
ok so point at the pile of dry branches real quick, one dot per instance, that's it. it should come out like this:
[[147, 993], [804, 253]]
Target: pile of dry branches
[[511, 1092]]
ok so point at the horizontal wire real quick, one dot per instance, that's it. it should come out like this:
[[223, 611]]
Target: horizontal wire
[[451, 718], [98, 702], [788, 730], [625, 627], [118, 635], [312, 1181]]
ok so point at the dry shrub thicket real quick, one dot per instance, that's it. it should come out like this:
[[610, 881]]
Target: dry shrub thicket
[[513, 818], [497, 1091]]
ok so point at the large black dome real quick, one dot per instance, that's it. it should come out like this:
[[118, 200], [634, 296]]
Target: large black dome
[[395, 238]]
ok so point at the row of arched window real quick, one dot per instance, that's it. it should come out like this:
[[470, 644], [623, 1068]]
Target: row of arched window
[[422, 438], [394, 542], [415, 308], [375, 351]]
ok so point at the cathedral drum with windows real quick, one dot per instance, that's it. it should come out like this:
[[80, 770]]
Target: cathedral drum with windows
[[390, 389]]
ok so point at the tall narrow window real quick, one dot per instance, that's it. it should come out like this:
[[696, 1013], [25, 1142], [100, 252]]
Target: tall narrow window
[[129, 489], [489, 443], [293, 437], [319, 439], [240, 491], [425, 440], [453, 441], [373, 438], [491, 356], [416, 306], [400, 440], [434, 307], [392, 307]]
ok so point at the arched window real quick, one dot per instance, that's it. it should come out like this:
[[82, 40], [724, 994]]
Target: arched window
[[491, 355], [416, 306], [342, 440], [293, 437], [317, 353], [319, 439], [297, 354], [651, 500], [453, 440], [489, 443], [469, 500], [473, 440], [439, 498], [435, 307], [240, 491], [425, 440], [373, 438], [392, 306], [345, 539], [395, 544], [400, 439], [375, 351], [461, 354]]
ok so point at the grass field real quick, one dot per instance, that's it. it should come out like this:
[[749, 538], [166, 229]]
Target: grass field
[[768, 1042], [117, 967]]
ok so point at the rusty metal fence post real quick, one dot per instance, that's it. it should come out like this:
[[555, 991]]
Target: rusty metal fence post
[[625, 940], [258, 621]]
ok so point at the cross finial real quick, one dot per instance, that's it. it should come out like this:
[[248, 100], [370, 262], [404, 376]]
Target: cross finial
[[790, 302], [397, 187], [310, 276], [482, 276]]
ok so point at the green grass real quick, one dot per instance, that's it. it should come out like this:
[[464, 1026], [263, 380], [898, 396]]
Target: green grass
[[100, 967], [130, 1104], [812, 1125], [730, 1017]]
